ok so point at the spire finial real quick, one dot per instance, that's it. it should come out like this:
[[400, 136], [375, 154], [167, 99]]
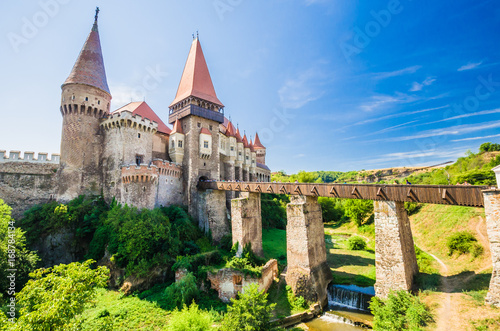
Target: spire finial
[[96, 13], [197, 35]]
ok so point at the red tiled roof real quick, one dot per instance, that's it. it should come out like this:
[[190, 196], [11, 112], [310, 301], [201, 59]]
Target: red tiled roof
[[231, 131], [142, 109], [250, 144], [196, 80], [177, 127], [205, 131], [89, 66], [245, 142], [257, 144], [238, 136]]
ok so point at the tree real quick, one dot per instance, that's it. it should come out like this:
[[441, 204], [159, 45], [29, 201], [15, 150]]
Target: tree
[[13, 251], [305, 177], [332, 209], [358, 210], [54, 296], [250, 312]]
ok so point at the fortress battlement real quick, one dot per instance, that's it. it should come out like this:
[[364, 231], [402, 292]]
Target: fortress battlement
[[141, 173], [127, 119], [15, 156], [168, 168]]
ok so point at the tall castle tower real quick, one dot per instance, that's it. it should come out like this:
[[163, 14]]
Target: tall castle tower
[[85, 100], [199, 113]]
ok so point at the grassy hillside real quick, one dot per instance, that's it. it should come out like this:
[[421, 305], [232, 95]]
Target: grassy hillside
[[473, 168]]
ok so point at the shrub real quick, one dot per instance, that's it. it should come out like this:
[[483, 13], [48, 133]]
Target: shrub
[[297, 303], [412, 207], [400, 311], [358, 210], [464, 242], [356, 243], [190, 319], [182, 292], [250, 311]]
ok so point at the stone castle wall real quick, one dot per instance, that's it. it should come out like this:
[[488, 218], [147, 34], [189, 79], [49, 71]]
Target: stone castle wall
[[24, 184]]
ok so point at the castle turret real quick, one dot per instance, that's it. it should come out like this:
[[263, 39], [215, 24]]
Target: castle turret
[[85, 100], [199, 112], [176, 149], [260, 150]]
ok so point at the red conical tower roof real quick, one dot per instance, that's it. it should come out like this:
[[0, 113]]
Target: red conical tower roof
[[142, 109], [245, 141], [230, 132], [257, 144], [251, 146], [196, 80], [238, 136], [89, 66], [177, 127]]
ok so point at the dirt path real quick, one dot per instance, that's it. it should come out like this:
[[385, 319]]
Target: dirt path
[[448, 313], [444, 312]]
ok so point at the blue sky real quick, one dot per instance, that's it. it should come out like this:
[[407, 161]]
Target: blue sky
[[328, 84]]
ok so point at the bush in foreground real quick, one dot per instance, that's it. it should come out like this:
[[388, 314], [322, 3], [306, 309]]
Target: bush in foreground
[[250, 312], [190, 319], [400, 311]]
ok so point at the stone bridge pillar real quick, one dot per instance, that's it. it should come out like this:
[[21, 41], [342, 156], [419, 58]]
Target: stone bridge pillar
[[308, 272], [395, 259], [492, 210], [212, 213], [246, 222]]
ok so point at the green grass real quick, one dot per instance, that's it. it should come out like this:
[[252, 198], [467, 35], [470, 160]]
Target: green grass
[[274, 244], [277, 294], [123, 313], [349, 267]]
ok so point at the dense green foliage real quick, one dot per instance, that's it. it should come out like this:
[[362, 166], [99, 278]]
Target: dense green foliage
[[297, 303], [333, 209], [13, 252], [358, 210], [464, 242], [274, 210], [54, 296], [249, 312], [182, 292], [400, 311], [356, 243], [489, 147], [249, 264], [190, 319]]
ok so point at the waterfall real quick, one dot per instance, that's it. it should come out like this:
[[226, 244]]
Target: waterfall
[[350, 296]]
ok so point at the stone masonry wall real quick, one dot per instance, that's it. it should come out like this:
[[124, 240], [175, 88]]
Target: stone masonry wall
[[246, 222], [492, 210], [228, 282], [213, 214], [23, 185], [395, 259], [308, 272]]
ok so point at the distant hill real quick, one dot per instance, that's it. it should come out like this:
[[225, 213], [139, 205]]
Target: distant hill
[[473, 168]]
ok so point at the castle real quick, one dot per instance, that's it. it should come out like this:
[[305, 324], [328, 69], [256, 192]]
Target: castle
[[130, 154]]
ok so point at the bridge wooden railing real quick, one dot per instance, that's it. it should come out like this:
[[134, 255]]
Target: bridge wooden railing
[[461, 195]]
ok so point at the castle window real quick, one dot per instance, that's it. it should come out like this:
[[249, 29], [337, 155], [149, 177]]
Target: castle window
[[199, 124], [86, 98], [205, 144], [232, 148], [180, 143], [247, 157], [211, 128], [239, 153], [138, 159], [98, 102], [138, 135], [73, 97], [173, 144]]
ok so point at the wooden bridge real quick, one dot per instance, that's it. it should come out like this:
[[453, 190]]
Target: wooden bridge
[[461, 195]]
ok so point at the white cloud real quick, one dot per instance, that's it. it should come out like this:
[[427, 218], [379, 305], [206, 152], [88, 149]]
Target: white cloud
[[297, 92], [419, 86], [382, 101], [470, 66], [123, 94], [478, 138], [297, 156], [478, 113], [452, 130], [388, 74]]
